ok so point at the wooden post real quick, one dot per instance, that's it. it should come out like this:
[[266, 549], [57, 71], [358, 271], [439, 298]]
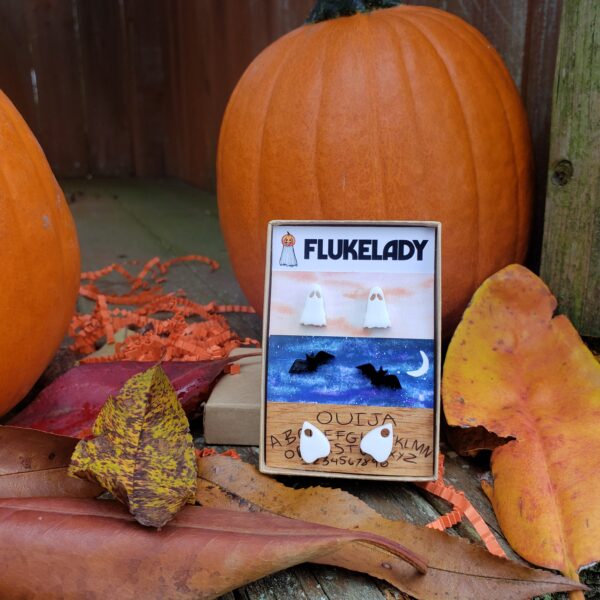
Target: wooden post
[[571, 245]]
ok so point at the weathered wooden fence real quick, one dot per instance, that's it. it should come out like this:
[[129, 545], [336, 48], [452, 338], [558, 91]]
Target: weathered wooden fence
[[571, 249], [132, 87], [138, 87]]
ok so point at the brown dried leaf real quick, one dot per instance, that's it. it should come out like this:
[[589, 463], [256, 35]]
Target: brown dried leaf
[[142, 452], [33, 463], [456, 569], [68, 549], [472, 440]]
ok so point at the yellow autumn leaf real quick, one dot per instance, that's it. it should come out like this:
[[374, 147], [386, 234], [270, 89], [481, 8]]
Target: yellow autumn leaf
[[142, 451], [525, 375]]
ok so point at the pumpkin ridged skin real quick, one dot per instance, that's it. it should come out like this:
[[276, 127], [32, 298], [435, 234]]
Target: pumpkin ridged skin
[[404, 113], [39, 259]]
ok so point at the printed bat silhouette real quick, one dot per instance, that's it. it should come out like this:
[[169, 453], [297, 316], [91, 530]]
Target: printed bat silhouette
[[379, 378], [312, 363]]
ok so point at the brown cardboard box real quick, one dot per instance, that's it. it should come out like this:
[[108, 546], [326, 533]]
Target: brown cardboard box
[[232, 413]]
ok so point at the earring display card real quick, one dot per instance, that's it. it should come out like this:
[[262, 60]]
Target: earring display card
[[351, 372]]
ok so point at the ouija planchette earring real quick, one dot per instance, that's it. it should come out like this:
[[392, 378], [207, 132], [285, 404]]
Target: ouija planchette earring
[[313, 443], [376, 315], [378, 442], [314, 308]]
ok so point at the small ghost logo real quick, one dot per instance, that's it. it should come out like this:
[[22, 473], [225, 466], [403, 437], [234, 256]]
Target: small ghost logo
[[377, 313], [314, 308], [288, 256]]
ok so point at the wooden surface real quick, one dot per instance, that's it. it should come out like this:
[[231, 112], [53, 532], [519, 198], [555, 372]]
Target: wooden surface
[[138, 87], [571, 248], [125, 220], [132, 220], [132, 87], [208, 47]]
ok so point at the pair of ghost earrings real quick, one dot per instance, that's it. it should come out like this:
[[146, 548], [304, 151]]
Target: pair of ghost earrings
[[314, 443], [376, 313]]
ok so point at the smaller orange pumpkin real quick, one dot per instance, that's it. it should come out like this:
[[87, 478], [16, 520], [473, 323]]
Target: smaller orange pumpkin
[[39, 259], [288, 239]]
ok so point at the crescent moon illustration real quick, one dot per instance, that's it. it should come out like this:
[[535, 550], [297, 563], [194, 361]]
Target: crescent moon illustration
[[422, 369]]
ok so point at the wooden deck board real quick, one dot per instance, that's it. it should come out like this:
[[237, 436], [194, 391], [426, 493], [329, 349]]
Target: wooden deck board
[[120, 220]]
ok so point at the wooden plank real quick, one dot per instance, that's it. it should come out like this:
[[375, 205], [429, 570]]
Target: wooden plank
[[145, 37], [106, 92], [399, 501], [16, 63], [571, 245], [172, 56], [465, 476], [130, 219], [310, 584], [54, 43], [188, 110], [284, 584], [339, 583], [209, 45], [543, 26], [209, 62], [172, 64]]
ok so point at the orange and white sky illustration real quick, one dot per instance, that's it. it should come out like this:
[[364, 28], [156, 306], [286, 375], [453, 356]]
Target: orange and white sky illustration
[[409, 298]]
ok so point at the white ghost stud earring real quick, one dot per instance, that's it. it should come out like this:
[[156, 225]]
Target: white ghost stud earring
[[378, 442], [313, 443], [314, 308], [377, 313]]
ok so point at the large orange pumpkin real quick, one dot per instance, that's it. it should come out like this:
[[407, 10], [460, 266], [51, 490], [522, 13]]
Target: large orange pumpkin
[[39, 259], [399, 113]]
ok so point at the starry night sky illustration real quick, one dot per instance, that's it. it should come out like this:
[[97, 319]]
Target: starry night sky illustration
[[340, 382]]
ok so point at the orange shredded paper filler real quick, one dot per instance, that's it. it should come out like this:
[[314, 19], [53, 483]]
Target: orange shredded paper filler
[[180, 336], [460, 507]]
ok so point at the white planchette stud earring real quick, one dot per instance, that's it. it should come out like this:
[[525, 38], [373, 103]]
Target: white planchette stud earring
[[313, 443], [314, 308], [378, 442]]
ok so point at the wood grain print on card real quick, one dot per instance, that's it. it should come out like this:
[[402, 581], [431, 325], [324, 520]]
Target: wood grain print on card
[[413, 448]]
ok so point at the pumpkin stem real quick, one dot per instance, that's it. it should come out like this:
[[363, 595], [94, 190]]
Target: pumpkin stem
[[324, 10]]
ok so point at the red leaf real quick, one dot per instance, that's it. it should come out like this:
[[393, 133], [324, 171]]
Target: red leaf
[[53, 548], [71, 403]]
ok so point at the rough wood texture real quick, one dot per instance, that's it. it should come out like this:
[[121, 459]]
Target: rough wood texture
[[209, 45], [543, 24], [16, 70], [571, 247], [106, 101], [57, 102]]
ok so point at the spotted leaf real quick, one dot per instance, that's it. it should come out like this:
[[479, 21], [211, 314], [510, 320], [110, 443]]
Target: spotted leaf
[[142, 451]]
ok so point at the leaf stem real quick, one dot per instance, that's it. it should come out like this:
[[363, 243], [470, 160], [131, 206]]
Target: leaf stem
[[413, 559]]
